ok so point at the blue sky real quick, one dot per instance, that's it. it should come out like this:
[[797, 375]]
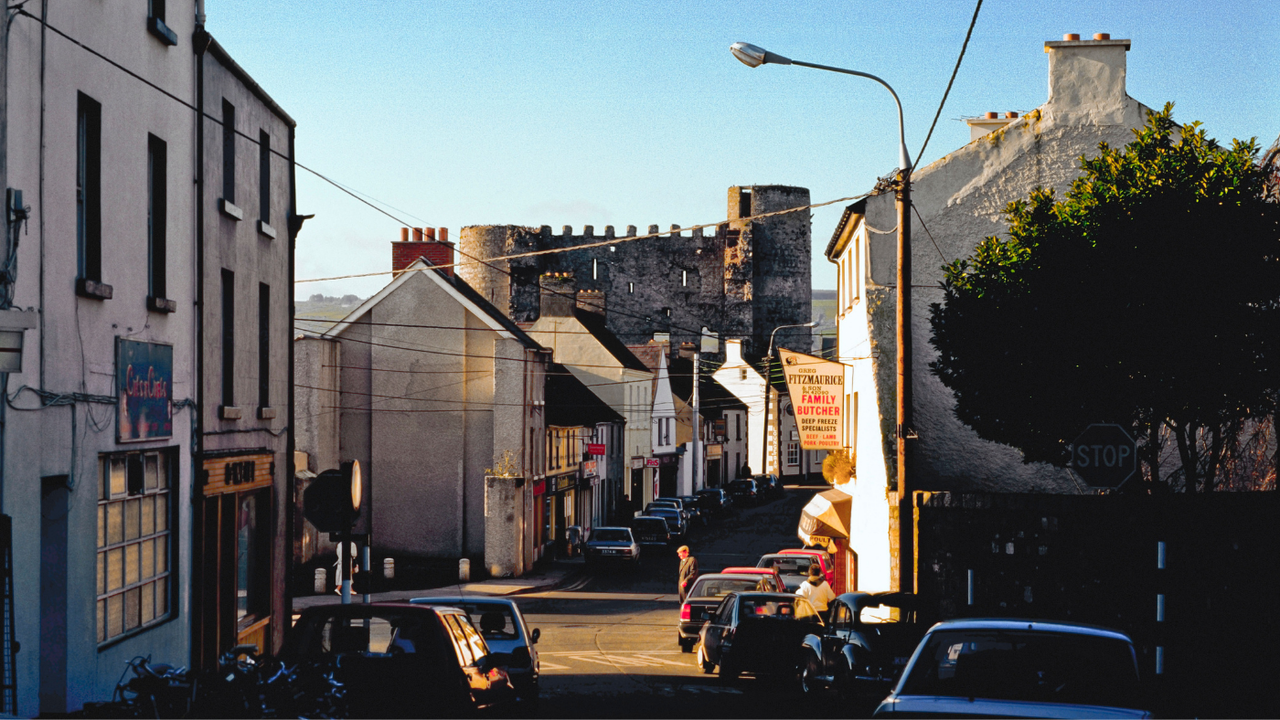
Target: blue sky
[[593, 113]]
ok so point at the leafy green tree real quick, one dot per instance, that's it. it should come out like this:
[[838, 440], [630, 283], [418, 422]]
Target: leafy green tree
[[1149, 297]]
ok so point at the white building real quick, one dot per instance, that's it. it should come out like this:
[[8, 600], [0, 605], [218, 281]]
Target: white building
[[960, 198]]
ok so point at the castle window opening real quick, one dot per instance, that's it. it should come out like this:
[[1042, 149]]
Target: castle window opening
[[684, 278], [595, 269], [744, 204], [631, 288]]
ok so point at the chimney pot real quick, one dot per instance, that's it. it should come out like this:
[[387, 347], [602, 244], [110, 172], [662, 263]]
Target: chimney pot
[[430, 234], [1102, 36], [1071, 37], [1012, 115], [992, 115], [444, 235], [404, 234], [417, 234]]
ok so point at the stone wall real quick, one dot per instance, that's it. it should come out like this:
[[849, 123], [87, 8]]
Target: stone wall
[[741, 279]]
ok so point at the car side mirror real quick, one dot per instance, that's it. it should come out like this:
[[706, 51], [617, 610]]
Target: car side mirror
[[533, 636]]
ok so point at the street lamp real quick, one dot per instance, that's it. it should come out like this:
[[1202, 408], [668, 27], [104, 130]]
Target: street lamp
[[768, 387], [754, 56]]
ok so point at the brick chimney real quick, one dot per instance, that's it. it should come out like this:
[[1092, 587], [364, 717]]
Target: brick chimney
[[437, 252], [592, 301], [557, 294], [1087, 78]]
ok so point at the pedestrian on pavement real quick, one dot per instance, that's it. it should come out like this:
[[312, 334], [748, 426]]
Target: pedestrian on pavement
[[817, 591], [688, 570], [745, 470]]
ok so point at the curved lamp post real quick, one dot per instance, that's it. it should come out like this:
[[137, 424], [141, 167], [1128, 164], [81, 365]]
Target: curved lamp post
[[754, 56], [768, 388]]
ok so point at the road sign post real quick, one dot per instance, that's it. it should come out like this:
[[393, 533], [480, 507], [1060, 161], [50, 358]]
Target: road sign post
[[1104, 456]]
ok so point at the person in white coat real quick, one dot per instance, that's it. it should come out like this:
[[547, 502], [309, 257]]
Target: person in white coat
[[817, 591]]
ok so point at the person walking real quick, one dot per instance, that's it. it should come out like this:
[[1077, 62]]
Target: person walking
[[688, 571], [817, 591]]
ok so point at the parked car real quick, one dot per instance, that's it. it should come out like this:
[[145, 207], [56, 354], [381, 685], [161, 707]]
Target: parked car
[[611, 545], [651, 533], [402, 660], [758, 633], [794, 569], [716, 499], [859, 655], [770, 573], [673, 504], [744, 491], [705, 596], [1019, 668], [675, 520], [770, 487], [697, 509], [824, 559], [504, 630]]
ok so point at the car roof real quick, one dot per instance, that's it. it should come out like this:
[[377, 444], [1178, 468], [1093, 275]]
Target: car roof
[[741, 569], [469, 600], [769, 595], [612, 527], [1045, 626], [728, 576]]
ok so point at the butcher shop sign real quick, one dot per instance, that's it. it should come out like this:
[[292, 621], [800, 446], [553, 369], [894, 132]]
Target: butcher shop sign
[[816, 387]]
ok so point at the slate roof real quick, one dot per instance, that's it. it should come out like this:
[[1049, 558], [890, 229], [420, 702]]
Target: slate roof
[[595, 324], [571, 403]]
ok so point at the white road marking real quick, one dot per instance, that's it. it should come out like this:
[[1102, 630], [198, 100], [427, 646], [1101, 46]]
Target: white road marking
[[660, 660], [544, 665]]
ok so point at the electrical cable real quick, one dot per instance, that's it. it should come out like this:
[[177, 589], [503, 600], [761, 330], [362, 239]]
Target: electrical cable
[[956, 70]]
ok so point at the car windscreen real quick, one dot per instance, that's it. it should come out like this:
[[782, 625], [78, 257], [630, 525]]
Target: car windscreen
[[742, 485], [787, 564], [1026, 666], [611, 535], [719, 587], [786, 609], [383, 633]]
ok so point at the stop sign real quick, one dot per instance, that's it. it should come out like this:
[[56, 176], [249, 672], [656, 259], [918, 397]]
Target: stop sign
[[1104, 455]]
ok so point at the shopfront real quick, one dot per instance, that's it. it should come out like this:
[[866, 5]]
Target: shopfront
[[824, 523], [562, 507]]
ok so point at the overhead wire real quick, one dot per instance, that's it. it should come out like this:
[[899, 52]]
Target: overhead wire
[[954, 71]]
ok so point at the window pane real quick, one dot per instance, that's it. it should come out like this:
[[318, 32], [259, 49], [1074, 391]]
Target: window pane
[[102, 525], [115, 615], [162, 472], [148, 559], [148, 515], [102, 573], [162, 512], [148, 602], [162, 554], [115, 569], [162, 606], [131, 561], [117, 477], [132, 609], [102, 619], [152, 471], [115, 523], [131, 518]]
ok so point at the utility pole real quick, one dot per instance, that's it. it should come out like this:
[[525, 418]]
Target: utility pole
[[906, 512], [697, 422]]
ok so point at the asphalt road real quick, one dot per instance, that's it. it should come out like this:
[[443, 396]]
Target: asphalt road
[[608, 646]]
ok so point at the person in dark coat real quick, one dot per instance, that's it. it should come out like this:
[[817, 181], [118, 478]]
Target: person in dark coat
[[688, 571]]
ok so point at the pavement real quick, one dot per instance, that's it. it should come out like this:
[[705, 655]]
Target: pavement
[[557, 575]]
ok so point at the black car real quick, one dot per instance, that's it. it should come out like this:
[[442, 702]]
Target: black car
[[770, 486], [505, 631], [744, 491], [758, 633], [705, 596], [675, 520], [698, 511], [794, 568], [651, 533], [401, 660], [715, 500], [864, 648], [612, 545]]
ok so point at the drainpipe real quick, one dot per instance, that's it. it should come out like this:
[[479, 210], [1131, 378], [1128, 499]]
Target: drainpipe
[[199, 43]]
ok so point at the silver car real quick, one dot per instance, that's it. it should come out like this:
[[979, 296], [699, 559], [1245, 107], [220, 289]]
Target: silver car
[[505, 631], [1019, 668]]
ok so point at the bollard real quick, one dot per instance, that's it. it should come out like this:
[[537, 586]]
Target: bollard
[[322, 580], [464, 570], [389, 568]]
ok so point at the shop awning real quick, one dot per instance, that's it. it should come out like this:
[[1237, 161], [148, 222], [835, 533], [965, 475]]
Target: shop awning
[[826, 516]]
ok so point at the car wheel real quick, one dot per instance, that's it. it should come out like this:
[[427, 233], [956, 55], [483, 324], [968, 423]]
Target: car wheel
[[686, 645], [706, 665], [809, 682]]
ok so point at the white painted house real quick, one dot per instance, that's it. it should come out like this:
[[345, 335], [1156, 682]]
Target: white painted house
[[961, 199]]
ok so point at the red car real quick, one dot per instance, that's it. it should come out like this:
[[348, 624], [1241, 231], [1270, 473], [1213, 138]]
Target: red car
[[824, 561], [769, 572]]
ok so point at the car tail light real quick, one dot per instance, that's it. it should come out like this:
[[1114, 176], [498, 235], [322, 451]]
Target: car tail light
[[684, 612]]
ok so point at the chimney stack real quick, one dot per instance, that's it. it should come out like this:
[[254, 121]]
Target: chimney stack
[[592, 301], [557, 294], [1087, 79], [424, 245]]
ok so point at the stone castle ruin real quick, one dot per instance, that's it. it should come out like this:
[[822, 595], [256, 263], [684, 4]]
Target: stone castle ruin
[[742, 280]]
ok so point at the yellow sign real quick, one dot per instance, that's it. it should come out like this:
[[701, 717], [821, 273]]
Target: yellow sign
[[816, 387]]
